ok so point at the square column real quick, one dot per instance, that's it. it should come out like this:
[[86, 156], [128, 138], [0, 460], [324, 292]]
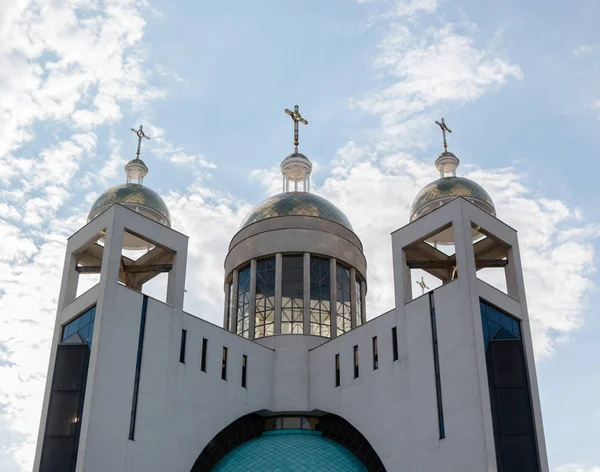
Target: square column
[[252, 307], [353, 314], [306, 292]]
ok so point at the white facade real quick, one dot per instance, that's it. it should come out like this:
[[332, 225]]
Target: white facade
[[181, 408]]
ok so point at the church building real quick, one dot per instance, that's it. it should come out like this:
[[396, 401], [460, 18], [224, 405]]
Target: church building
[[299, 377]]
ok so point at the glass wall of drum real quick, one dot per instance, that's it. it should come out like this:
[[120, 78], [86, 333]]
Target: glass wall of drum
[[294, 294]]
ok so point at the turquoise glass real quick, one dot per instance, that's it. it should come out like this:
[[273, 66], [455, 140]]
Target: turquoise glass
[[292, 450]]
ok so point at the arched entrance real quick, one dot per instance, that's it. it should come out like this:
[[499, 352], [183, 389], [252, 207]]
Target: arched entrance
[[306, 430]]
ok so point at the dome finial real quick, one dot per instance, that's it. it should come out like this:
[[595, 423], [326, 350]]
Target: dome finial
[[296, 167], [444, 128], [136, 169], [447, 162], [297, 117]]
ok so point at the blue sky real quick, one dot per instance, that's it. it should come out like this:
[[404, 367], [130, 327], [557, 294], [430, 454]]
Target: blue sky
[[516, 82]]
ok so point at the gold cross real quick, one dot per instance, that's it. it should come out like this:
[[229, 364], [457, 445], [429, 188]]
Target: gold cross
[[297, 117], [140, 134], [444, 128]]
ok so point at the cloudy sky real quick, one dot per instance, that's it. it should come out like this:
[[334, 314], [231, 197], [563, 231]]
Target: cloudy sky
[[516, 81]]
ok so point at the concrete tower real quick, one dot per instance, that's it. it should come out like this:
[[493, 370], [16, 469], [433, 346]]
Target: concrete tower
[[298, 379]]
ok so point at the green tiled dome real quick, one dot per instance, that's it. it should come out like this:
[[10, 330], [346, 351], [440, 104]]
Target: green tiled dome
[[443, 190], [133, 196], [290, 451], [296, 203]]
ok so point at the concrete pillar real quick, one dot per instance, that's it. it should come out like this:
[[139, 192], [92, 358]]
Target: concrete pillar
[[510, 272], [333, 302], [353, 314], [68, 291], [252, 308], [226, 308], [278, 279], [234, 301], [306, 292], [363, 295]]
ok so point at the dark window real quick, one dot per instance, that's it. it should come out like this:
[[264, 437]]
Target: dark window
[[375, 354], [343, 299], [182, 346], [224, 364], [83, 325], [510, 398], [436, 366], [292, 293], [359, 308], [138, 369], [203, 360], [243, 303], [320, 297], [244, 370], [61, 435], [265, 298], [337, 370], [355, 362], [395, 343]]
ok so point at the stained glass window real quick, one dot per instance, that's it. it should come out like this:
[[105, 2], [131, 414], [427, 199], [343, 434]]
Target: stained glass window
[[243, 303], [343, 299], [292, 293], [320, 297], [265, 298]]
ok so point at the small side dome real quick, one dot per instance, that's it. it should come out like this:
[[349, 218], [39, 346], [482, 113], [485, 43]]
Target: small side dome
[[296, 203], [443, 190], [135, 196]]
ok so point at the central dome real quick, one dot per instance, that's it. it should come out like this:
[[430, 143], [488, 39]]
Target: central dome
[[296, 203], [290, 451]]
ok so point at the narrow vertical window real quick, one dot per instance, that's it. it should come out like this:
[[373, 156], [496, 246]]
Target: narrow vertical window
[[343, 299], [244, 370], [292, 293], [242, 321], [375, 354], [337, 370], [138, 368], [355, 362], [320, 297], [265, 298], [436, 366], [224, 364], [182, 346], [203, 360], [395, 343]]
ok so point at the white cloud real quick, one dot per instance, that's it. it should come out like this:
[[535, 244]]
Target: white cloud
[[577, 468], [428, 70]]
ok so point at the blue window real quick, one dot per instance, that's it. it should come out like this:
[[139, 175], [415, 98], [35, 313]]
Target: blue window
[[83, 325], [497, 325]]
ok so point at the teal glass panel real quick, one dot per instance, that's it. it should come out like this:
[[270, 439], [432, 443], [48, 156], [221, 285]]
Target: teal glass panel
[[83, 324], [290, 451], [497, 325]]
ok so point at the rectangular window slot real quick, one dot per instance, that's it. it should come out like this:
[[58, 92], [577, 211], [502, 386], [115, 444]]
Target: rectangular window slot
[[395, 343], [337, 370], [244, 370], [224, 364], [203, 359], [355, 362], [375, 354], [182, 346], [436, 365], [138, 368]]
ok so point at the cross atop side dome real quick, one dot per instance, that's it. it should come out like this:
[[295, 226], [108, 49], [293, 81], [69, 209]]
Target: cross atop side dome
[[133, 194], [449, 186]]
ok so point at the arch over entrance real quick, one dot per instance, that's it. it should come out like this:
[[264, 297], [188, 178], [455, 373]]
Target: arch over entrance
[[253, 426]]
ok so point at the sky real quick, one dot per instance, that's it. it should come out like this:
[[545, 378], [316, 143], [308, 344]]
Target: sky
[[516, 82]]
